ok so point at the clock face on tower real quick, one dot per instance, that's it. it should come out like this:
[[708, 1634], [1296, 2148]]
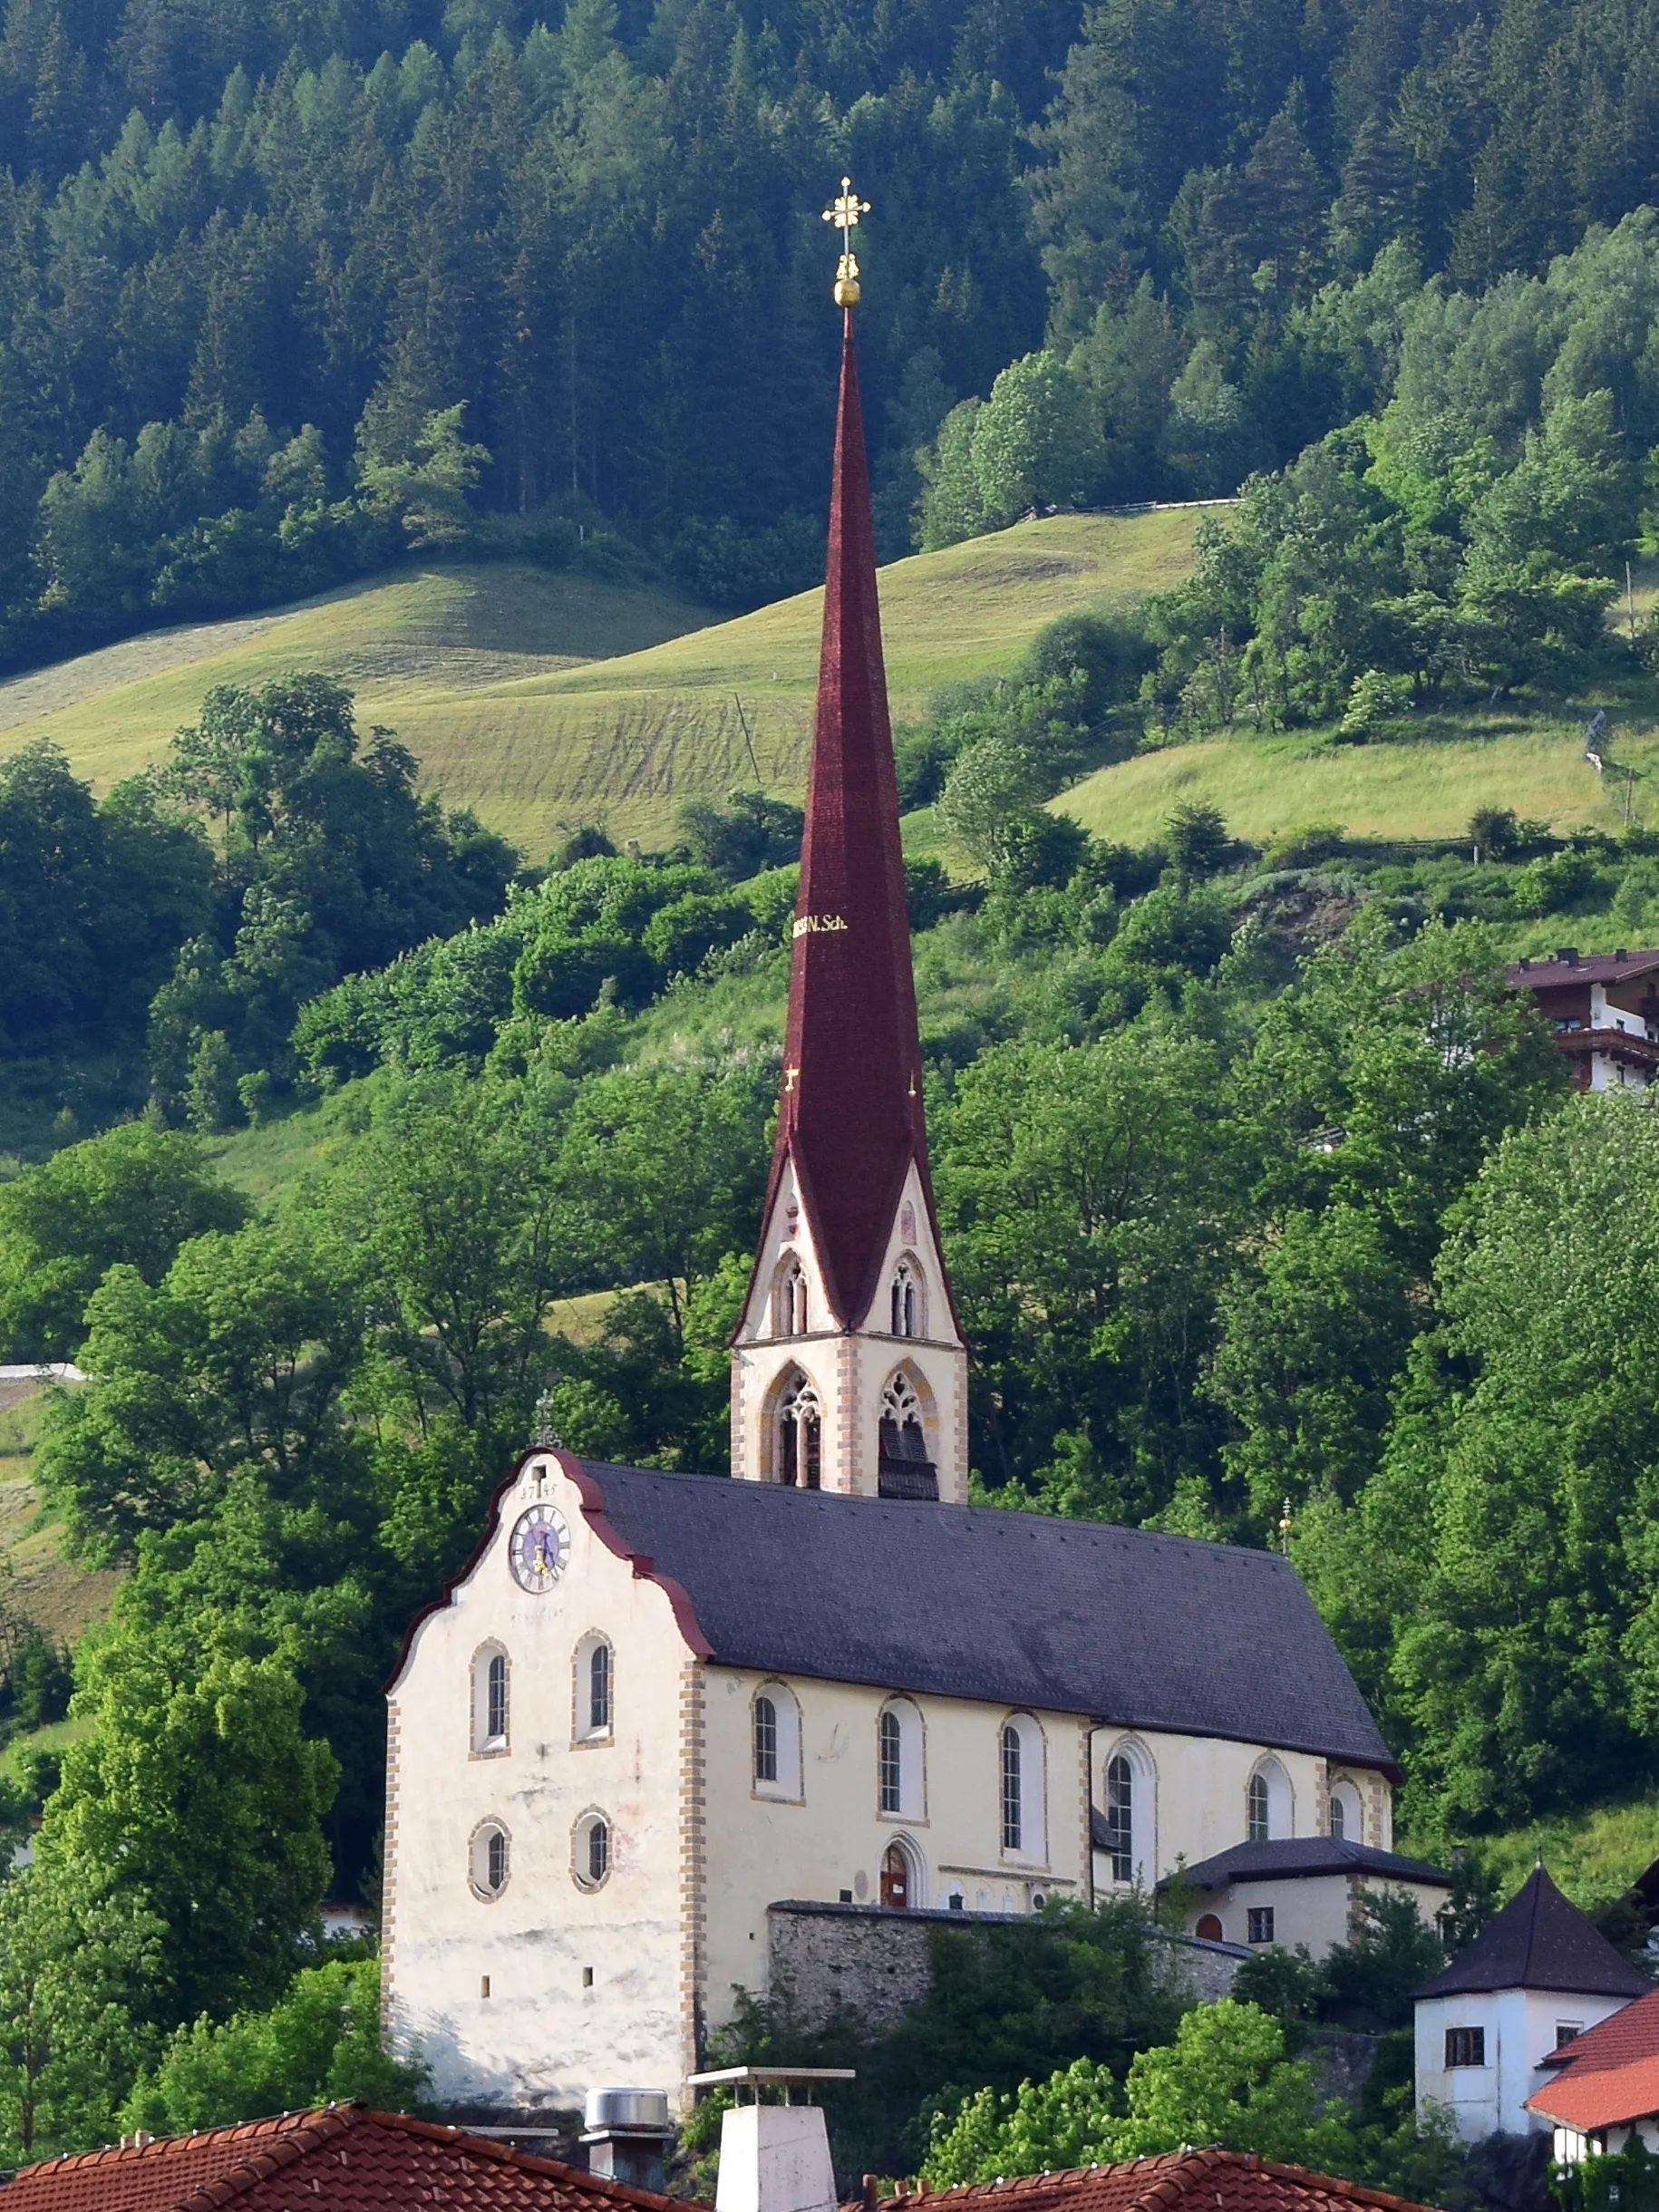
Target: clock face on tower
[[540, 1548]]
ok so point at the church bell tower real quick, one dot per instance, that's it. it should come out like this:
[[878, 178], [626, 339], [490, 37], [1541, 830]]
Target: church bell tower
[[848, 1372]]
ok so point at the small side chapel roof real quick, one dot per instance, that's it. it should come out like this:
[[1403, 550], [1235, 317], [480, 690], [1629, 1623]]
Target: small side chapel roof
[[1147, 1630], [1295, 1857]]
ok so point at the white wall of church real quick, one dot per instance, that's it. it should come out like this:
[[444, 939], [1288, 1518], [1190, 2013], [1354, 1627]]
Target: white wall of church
[[530, 1997]]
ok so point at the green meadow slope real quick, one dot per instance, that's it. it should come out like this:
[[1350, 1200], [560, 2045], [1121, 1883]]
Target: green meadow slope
[[541, 700], [1427, 786]]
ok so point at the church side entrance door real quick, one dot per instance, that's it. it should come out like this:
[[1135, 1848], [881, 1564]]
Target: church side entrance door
[[894, 1877]]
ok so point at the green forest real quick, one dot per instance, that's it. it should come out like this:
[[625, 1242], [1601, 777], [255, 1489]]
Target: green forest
[[285, 293]]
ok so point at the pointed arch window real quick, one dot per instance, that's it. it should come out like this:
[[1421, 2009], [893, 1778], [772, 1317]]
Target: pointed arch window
[[789, 1301], [903, 1468], [1120, 1818], [907, 1300], [800, 1432], [1256, 1824]]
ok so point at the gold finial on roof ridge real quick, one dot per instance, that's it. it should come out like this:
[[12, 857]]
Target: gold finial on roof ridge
[[844, 212]]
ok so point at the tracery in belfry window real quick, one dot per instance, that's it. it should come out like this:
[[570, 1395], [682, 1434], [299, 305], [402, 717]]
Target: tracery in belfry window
[[907, 1300], [800, 1432], [903, 1434], [790, 1300]]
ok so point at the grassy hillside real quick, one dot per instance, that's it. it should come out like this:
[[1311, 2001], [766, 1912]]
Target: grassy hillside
[[38, 1581], [543, 699], [1428, 787]]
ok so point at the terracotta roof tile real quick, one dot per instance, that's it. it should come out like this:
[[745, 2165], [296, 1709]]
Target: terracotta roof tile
[[1202, 2180], [1608, 2074], [343, 2157]]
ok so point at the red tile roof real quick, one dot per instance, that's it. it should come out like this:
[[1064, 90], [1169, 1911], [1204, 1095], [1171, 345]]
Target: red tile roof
[[1607, 2075], [343, 2158], [1207, 2180]]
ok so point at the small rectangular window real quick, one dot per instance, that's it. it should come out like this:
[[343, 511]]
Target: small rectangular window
[[1566, 2029], [1260, 1920], [1465, 2047]]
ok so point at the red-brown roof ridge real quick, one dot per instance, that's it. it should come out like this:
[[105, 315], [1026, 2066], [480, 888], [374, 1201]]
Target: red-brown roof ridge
[[1238, 2180], [232, 2164]]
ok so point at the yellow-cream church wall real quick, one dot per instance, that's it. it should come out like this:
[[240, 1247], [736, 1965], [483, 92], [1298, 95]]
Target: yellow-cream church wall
[[532, 1997], [833, 1836]]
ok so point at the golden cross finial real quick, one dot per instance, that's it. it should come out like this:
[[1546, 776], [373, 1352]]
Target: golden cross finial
[[844, 212]]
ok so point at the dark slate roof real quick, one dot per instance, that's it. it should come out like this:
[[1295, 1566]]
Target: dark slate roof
[[1296, 1856], [1582, 967], [1148, 1631], [1540, 1941]]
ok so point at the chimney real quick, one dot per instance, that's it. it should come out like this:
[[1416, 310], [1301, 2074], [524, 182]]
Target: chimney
[[627, 2135], [774, 2158]]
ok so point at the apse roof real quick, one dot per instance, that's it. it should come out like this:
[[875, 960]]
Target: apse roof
[[1149, 1631], [1289, 1857]]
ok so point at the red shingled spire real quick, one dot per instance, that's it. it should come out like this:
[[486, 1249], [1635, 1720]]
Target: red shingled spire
[[851, 1112]]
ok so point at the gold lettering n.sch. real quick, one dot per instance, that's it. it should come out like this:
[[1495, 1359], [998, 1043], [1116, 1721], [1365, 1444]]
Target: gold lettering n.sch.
[[809, 925]]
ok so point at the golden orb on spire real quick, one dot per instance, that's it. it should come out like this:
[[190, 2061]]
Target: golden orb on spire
[[844, 212]]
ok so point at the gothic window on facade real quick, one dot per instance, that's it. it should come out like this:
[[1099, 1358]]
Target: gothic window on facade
[[591, 1851], [1013, 1803], [775, 1742], [903, 1469], [890, 1747], [789, 1301], [488, 1860], [1023, 1822], [1120, 1818], [489, 1701], [1268, 1811], [900, 1787], [1255, 1824], [1346, 1822], [594, 1689], [907, 1300], [800, 1435]]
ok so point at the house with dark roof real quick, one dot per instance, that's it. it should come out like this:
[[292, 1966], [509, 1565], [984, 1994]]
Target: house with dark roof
[[1602, 2087], [1604, 1008], [1536, 1978], [1302, 1890], [343, 2157], [653, 1705]]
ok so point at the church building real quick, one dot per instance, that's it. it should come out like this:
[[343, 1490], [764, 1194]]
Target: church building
[[653, 1705]]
